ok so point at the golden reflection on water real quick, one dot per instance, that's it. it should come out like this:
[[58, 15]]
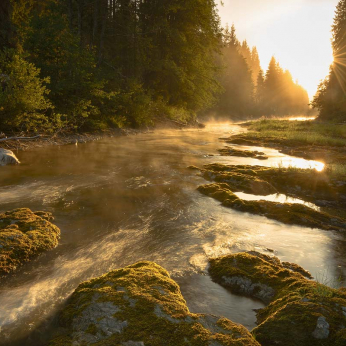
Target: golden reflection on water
[[302, 118], [304, 164]]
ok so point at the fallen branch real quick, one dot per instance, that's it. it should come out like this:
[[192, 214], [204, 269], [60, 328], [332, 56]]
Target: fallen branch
[[17, 138]]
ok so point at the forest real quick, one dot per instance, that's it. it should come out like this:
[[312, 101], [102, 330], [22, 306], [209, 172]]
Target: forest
[[96, 64]]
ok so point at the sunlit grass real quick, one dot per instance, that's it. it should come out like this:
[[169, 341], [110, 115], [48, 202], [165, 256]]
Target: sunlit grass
[[300, 132], [336, 169]]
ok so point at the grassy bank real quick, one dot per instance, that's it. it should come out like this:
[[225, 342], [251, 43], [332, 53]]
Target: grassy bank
[[300, 132]]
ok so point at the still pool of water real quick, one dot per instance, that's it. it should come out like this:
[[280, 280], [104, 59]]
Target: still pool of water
[[125, 199]]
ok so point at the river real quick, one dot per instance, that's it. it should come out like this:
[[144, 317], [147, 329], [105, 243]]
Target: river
[[124, 199]]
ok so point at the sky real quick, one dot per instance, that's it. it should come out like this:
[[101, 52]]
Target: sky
[[296, 32]]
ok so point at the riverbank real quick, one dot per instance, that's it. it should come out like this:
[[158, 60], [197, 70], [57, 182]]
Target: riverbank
[[63, 138], [16, 143], [310, 140]]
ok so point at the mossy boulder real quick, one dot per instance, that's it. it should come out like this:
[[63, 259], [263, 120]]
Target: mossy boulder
[[23, 236], [288, 213], [300, 311], [140, 305]]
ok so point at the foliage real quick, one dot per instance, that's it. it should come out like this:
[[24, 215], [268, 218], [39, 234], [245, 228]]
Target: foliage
[[118, 62], [330, 99], [23, 94], [236, 80]]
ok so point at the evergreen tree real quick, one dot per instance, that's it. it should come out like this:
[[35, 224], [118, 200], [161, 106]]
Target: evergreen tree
[[330, 99], [237, 99], [260, 89], [255, 64], [6, 27]]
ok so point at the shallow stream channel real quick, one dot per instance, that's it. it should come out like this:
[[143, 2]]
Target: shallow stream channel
[[124, 199]]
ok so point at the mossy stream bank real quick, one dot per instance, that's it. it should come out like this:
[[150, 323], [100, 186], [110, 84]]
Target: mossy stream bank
[[140, 305], [301, 312]]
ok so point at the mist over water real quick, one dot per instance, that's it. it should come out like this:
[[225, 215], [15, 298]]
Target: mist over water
[[125, 199]]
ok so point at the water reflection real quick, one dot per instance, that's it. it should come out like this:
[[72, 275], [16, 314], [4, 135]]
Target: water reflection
[[279, 198]]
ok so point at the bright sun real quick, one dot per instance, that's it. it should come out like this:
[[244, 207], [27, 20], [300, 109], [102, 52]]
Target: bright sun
[[297, 32]]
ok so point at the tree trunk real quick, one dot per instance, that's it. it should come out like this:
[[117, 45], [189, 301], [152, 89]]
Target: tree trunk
[[70, 13], [95, 22], [104, 15], [80, 18], [6, 28]]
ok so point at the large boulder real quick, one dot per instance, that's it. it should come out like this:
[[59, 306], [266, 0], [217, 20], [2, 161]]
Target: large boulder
[[300, 311], [7, 157], [140, 305], [23, 236]]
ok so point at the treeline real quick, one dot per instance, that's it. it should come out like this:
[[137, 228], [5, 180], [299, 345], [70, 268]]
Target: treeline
[[94, 64], [330, 99], [100, 63], [248, 91]]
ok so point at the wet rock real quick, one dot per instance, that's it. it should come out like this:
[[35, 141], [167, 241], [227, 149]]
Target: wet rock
[[230, 151], [246, 287], [294, 214], [308, 184], [99, 312], [23, 236], [322, 329], [7, 157], [301, 312]]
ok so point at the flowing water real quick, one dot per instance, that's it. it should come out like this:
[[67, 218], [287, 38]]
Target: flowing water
[[125, 199]]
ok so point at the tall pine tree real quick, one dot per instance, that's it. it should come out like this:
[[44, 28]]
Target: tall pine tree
[[330, 99]]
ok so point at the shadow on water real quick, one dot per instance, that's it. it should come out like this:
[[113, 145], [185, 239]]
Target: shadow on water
[[122, 200]]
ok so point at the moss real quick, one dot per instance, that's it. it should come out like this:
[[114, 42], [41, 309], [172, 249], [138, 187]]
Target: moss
[[326, 153], [23, 236], [294, 214], [308, 184], [141, 303], [229, 151], [245, 180], [295, 305]]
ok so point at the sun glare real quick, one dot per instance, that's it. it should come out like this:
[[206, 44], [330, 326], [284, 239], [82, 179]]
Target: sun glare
[[296, 32]]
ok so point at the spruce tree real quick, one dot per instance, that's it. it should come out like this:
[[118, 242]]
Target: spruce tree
[[330, 99]]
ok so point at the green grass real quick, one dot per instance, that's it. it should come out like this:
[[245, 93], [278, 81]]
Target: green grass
[[336, 169], [300, 132]]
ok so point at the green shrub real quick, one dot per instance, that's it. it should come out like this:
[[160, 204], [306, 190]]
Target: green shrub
[[23, 94]]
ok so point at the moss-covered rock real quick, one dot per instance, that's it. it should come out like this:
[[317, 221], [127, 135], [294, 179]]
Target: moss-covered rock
[[308, 184], [300, 311], [288, 213], [24, 235], [245, 180], [141, 305], [230, 151]]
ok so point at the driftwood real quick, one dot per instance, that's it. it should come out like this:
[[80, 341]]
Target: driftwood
[[17, 138]]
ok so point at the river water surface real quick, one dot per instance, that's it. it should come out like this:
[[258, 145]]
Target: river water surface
[[125, 199]]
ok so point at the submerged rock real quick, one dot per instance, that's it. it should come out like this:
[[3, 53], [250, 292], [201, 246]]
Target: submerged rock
[[300, 311], [230, 151], [293, 214], [24, 235], [140, 305], [7, 157]]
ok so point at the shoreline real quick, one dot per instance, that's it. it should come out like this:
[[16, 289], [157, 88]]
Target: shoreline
[[16, 145], [65, 138]]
